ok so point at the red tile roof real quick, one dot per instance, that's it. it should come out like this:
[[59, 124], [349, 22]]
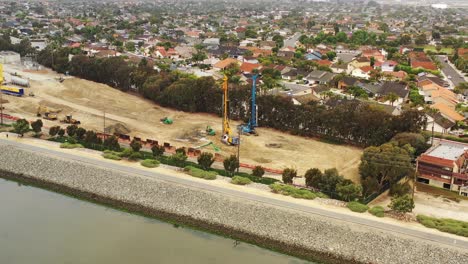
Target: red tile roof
[[428, 65], [366, 68], [436, 160], [324, 62], [249, 67]]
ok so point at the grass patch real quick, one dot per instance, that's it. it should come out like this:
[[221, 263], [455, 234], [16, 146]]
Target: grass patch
[[199, 173], [357, 207], [150, 163], [239, 180], [446, 50], [377, 211], [111, 156], [447, 225], [67, 145], [435, 191], [295, 192]]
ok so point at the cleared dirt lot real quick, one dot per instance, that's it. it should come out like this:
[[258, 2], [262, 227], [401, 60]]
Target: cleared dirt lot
[[88, 101]]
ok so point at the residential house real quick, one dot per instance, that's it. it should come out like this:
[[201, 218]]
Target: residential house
[[444, 165], [363, 72], [377, 54], [434, 93], [400, 89], [211, 43], [162, 53], [313, 56], [293, 74], [386, 66], [391, 75], [371, 89], [222, 65], [326, 63], [438, 123], [247, 67], [448, 112], [358, 63], [346, 82], [320, 77], [339, 67], [419, 59]]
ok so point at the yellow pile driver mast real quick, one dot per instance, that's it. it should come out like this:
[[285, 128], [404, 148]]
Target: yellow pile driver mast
[[227, 137]]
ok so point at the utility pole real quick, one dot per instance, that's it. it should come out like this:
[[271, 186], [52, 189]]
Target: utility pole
[[1, 107], [239, 128], [1, 95], [104, 124], [432, 138]]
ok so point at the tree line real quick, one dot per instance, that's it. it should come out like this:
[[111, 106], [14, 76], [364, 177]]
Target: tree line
[[350, 121]]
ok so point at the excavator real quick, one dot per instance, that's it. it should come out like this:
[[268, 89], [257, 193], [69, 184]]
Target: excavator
[[43, 111], [249, 128], [70, 120], [227, 137]]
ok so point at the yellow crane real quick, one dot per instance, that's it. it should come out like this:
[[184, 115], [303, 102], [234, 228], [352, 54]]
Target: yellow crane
[[227, 137]]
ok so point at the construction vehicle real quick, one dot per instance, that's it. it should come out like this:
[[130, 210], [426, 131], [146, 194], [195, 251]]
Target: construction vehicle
[[69, 120], [47, 113], [215, 148], [249, 128], [227, 137], [166, 120], [210, 131]]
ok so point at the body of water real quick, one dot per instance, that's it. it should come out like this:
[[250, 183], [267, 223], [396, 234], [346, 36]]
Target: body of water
[[42, 227]]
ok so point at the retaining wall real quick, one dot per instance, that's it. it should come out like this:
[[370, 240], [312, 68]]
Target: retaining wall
[[301, 234]]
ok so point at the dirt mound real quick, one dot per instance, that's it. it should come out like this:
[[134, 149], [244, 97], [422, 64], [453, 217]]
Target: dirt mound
[[192, 135], [4, 101], [118, 128]]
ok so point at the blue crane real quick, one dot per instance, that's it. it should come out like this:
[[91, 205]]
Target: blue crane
[[249, 128]]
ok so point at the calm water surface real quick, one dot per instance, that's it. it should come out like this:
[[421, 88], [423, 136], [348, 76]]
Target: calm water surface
[[42, 227]]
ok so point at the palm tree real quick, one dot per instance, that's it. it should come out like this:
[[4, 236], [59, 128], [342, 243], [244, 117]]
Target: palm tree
[[392, 97]]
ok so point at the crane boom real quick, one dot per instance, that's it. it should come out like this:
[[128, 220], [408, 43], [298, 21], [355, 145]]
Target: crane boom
[[250, 127], [227, 137]]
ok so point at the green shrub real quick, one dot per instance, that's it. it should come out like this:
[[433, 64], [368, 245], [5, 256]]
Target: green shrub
[[399, 189], [67, 145], [378, 211], [199, 173], [258, 171], [357, 207], [240, 180], [150, 163], [178, 159], [111, 156], [126, 153], [295, 192], [447, 225], [135, 156]]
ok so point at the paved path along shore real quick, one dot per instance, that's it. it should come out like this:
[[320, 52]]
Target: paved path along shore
[[430, 237]]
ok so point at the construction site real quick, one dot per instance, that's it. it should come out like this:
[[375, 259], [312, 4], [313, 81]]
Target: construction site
[[63, 100]]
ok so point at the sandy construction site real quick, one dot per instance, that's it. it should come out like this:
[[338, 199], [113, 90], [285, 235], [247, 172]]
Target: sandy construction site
[[131, 114]]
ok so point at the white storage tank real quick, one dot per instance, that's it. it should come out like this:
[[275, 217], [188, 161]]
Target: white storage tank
[[19, 81]]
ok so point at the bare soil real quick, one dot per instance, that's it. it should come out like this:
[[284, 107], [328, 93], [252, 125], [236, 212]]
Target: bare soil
[[88, 101]]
